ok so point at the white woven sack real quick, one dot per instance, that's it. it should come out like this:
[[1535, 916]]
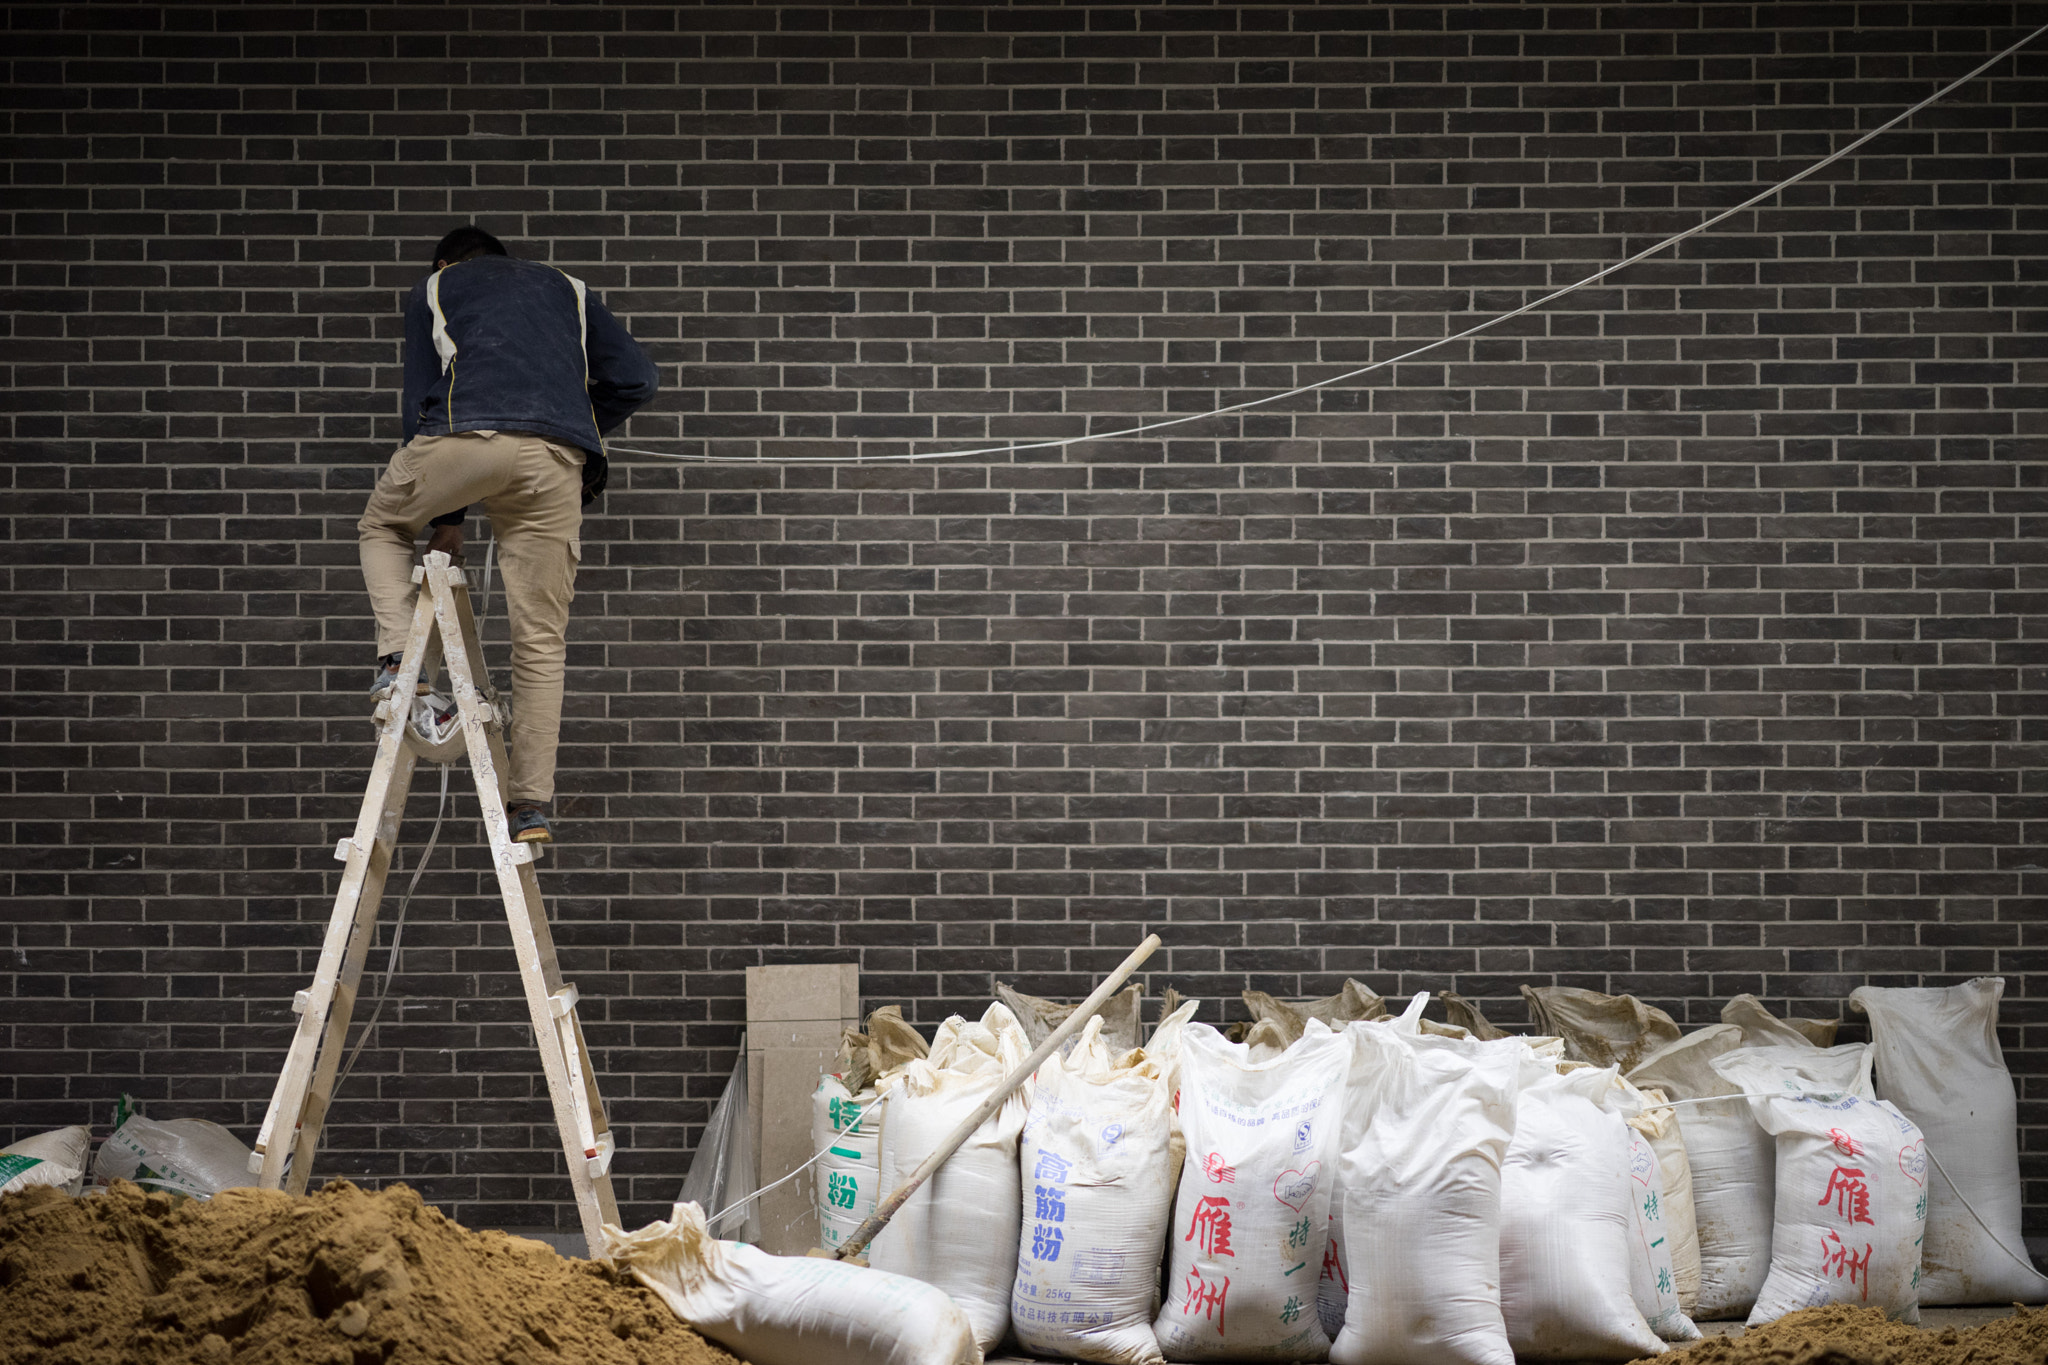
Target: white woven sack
[[1734, 1169], [1652, 1280], [1422, 1188], [1938, 1060], [1333, 1286], [1253, 1207], [1097, 1196], [1661, 1127], [1852, 1182], [1566, 1227], [959, 1231], [1163, 1047], [791, 1310], [847, 1129]]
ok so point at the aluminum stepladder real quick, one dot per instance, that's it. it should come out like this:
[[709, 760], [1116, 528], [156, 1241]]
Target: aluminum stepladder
[[444, 631]]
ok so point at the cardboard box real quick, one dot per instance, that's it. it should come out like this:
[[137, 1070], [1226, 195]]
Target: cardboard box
[[794, 1019]]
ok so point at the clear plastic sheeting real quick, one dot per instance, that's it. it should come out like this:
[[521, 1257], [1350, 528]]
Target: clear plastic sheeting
[[722, 1171], [183, 1156]]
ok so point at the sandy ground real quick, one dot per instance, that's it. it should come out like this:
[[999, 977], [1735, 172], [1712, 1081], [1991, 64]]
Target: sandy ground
[[1931, 1320]]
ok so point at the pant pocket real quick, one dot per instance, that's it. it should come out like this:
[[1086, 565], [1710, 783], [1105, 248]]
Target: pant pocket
[[400, 472]]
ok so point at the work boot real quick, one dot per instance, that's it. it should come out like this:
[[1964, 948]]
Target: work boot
[[387, 677], [529, 822]]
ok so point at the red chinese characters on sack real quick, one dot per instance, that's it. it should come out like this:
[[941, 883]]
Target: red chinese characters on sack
[[1850, 1193], [1837, 1258], [1206, 1297], [1210, 1225], [1333, 1267]]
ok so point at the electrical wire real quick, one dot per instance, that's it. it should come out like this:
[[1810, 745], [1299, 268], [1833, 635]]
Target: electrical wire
[[1553, 296], [397, 934], [742, 1202], [419, 869], [1651, 1107], [1972, 1210]]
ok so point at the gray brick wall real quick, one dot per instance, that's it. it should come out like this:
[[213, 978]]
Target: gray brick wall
[[1684, 639]]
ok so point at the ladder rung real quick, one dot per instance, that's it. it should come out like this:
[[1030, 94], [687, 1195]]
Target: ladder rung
[[563, 1001], [599, 1161]]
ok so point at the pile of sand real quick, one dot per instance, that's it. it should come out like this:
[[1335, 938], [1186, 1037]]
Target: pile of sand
[[342, 1277], [1841, 1335]]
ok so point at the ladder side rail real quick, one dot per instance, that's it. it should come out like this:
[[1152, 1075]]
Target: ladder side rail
[[320, 1092], [520, 890], [273, 1139]]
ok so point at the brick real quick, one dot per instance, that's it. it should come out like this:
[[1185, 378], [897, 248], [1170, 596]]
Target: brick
[[1679, 638]]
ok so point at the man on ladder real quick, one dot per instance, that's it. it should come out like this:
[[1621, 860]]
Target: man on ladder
[[513, 372]]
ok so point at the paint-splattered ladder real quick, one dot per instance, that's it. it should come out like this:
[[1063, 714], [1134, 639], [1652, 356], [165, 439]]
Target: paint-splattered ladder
[[443, 630]]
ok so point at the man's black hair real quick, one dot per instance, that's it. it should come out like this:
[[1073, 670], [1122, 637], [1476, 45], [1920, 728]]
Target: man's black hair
[[466, 242]]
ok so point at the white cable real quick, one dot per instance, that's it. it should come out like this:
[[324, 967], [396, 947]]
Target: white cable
[[397, 933], [1954, 1190], [1652, 1106], [723, 1213], [1140, 429]]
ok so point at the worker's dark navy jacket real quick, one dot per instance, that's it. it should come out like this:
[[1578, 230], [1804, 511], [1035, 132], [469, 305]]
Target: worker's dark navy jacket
[[498, 344]]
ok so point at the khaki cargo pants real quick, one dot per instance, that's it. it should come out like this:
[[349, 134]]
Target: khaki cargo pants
[[533, 490]]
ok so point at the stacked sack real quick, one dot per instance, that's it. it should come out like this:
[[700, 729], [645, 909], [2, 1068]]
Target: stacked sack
[[1731, 1159], [959, 1231], [847, 1114], [1390, 1190], [1426, 1132], [1581, 1274], [1937, 1058], [791, 1310], [1851, 1175], [1251, 1217], [1097, 1193], [55, 1159]]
